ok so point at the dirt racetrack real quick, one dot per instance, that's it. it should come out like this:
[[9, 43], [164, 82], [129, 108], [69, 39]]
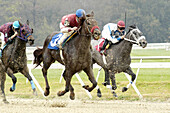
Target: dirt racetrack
[[20, 105]]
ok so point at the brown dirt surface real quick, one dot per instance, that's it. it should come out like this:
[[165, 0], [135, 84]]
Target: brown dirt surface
[[21, 105]]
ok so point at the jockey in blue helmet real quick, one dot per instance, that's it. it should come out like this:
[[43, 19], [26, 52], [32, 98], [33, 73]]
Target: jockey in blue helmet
[[15, 28], [79, 13], [16, 25], [69, 23]]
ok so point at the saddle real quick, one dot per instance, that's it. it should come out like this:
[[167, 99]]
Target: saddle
[[100, 45], [56, 38]]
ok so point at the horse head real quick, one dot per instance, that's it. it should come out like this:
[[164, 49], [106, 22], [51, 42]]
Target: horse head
[[25, 33], [136, 36], [91, 26]]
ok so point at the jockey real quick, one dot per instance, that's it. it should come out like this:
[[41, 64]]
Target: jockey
[[10, 31], [69, 24], [113, 33]]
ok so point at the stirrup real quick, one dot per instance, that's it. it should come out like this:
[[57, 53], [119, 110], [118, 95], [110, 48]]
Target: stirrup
[[102, 51], [59, 46], [0, 53]]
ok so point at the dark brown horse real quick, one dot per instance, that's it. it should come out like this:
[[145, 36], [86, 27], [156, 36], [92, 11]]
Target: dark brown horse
[[14, 58], [76, 54], [118, 58]]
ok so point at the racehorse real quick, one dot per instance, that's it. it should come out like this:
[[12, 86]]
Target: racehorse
[[14, 58], [118, 58], [76, 55]]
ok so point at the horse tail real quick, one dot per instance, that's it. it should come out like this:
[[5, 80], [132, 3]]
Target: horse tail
[[37, 57]]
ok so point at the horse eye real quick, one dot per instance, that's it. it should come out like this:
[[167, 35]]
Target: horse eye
[[134, 32], [23, 30], [88, 23]]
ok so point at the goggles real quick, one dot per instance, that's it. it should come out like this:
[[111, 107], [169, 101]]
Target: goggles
[[121, 28]]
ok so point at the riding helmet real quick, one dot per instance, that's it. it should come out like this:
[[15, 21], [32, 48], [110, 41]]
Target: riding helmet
[[121, 23], [16, 25], [79, 12]]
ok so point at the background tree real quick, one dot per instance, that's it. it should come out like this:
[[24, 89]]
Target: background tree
[[151, 16]]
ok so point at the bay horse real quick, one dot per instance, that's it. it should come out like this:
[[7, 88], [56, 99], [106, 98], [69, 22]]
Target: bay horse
[[118, 58], [14, 58], [76, 54]]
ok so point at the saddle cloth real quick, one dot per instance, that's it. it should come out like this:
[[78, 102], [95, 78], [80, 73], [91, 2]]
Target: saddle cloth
[[56, 38], [100, 44]]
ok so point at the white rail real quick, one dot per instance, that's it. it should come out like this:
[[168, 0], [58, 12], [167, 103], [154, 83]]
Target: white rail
[[133, 65]]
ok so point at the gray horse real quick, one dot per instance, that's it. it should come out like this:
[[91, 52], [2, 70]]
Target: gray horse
[[76, 55], [117, 57], [14, 59]]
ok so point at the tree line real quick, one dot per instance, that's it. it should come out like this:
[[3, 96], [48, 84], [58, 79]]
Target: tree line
[[151, 16]]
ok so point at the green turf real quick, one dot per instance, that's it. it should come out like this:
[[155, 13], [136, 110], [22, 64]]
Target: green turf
[[154, 84]]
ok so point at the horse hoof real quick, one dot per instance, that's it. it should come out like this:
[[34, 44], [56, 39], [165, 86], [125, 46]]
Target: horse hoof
[[72, 96], [99, 93], [86, 86], [104, 83], [114, 87], [46, 93], [60, 93], [35, 92], [124, 89], [5, 101], [11, 89], [114, 94]]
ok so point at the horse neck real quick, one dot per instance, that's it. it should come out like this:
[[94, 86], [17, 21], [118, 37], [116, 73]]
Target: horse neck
[[20, 45], [84, 39], [126, 47]]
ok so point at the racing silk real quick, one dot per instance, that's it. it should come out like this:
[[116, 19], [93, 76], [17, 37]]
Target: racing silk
[[67, 22], [107, 33], [6, 29]]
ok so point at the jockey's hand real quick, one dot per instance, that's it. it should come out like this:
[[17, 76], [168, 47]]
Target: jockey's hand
[[9, 39], [114, 41], [123, 37], [74, 28]]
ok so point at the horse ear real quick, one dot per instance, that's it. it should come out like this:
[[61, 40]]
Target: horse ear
[[84, 16], [27, 22], [32, 30], [92, 13], [20, 23]]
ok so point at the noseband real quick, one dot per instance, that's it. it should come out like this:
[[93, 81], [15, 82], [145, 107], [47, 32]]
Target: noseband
[[24, 37], [136, 40]]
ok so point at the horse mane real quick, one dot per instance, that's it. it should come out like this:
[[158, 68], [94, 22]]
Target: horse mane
[[131, 27]]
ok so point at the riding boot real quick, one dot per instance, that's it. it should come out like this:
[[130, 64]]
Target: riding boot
[[1, 49], [102, 49], [62, 39]]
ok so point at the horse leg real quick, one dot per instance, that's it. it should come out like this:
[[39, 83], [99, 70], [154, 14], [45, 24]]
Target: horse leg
[[72, 94], [25, 72], [14, 79], [107, 80], [114, 87], [90, 74], [2, 86], [67, 77], [46, 65], [133, 75]]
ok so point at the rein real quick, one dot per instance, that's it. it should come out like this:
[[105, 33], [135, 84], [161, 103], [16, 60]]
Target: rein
[[90, 32], [135, 41], [24, 37]]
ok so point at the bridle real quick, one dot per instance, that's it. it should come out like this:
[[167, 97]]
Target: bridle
[[24, 37], [135, 40], [90, 32]]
